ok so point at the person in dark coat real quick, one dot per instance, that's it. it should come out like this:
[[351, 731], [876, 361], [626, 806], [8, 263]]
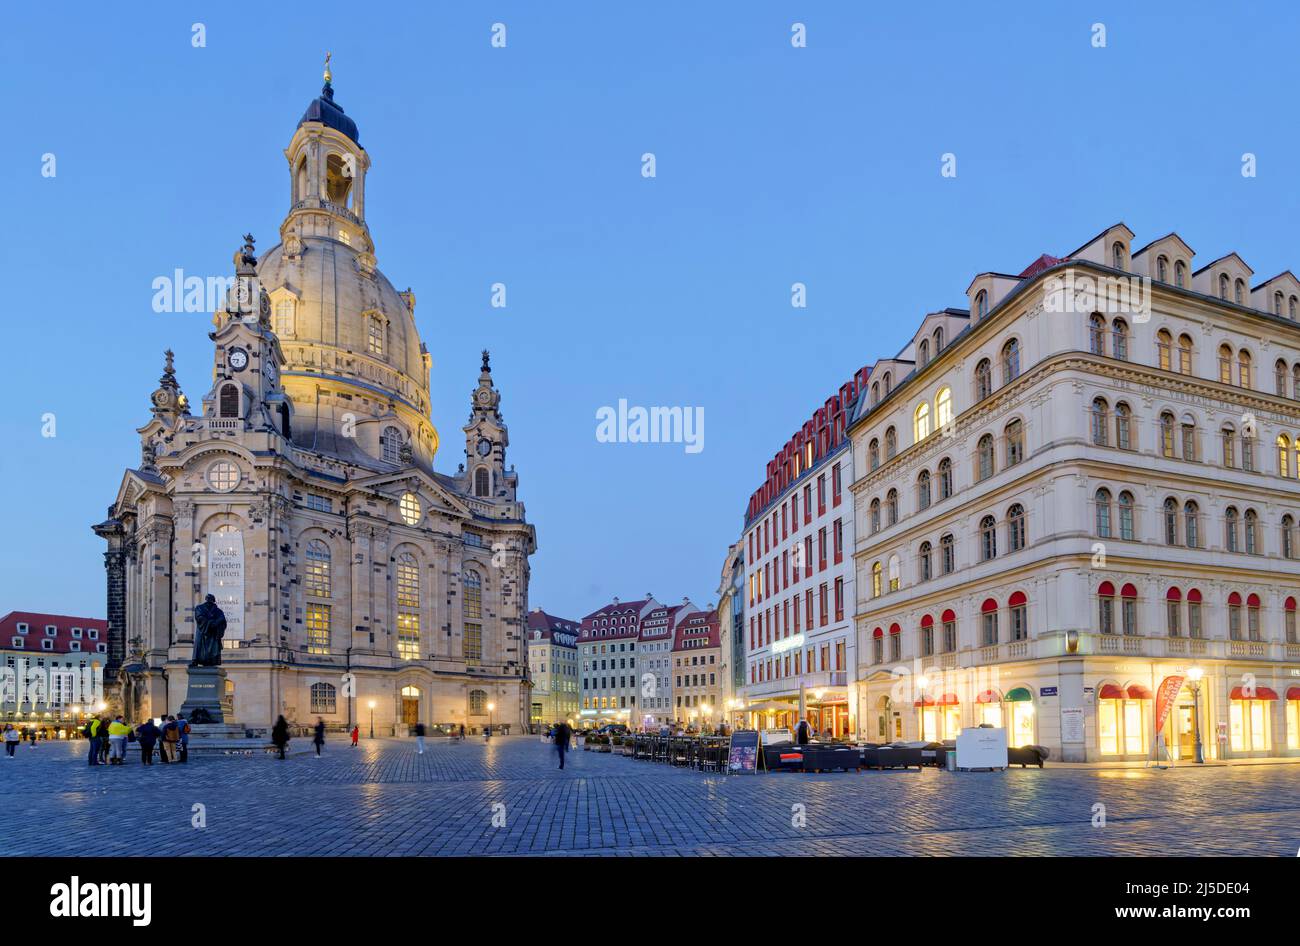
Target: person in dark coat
[[148, 734], [319, 738], [280, 734], [562, 736], [801, 732]]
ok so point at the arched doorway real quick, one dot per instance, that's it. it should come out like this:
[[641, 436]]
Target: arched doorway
[[410, 705]]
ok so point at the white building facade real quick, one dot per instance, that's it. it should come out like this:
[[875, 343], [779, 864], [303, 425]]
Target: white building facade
[[1076, 511]]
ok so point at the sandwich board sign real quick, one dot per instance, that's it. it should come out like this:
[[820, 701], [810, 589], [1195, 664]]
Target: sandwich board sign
[[982, 748], [742, 754]]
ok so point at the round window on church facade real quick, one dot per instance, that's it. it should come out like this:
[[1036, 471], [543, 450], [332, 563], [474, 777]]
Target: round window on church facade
[[410, 508], [223, 475]]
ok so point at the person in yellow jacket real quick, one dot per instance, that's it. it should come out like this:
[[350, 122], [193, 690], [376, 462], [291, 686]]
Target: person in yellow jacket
[[94, 733], [117, 731]]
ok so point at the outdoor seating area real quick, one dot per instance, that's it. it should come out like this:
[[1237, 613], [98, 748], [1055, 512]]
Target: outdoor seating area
[[705, 753], [710, 754]]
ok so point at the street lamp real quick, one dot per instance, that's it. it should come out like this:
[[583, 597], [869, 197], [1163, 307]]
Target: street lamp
[[821, 721], [921, 683], [1194, 677], [706, 710], [491, 707], [372, 719]]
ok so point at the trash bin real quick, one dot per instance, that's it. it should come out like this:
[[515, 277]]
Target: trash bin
[[952, 760]]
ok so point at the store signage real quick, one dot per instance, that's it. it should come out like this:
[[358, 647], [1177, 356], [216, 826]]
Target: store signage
[[1089, 693], [1047, 691], [1072, 724], [787, 643], [982, 748], [742, 755], [1165, 697]]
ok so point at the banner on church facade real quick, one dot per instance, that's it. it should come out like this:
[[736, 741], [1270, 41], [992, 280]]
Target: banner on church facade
[[226, 578]]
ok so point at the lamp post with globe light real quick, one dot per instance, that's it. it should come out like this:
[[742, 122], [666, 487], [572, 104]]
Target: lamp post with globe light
[[372, 719], [1194, 681]]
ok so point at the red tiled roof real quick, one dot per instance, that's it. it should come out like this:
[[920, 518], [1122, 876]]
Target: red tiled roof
[[1037, 266], [63, 637], [547, 624], [696, 625]]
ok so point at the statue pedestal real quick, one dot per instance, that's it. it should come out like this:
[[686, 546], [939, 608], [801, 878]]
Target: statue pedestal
[[206, 693]]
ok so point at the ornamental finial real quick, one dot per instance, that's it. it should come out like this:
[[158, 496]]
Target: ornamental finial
[[329, 76]]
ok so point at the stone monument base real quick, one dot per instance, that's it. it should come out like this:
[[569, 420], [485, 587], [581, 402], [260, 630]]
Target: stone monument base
[[205, 696]]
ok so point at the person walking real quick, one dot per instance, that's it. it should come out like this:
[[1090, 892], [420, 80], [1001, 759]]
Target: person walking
[[801, 732], [419, 738], [318, 740], [280, 735], [356, 734], [12, 736], [462, 732], [91, 732], [117, 731], [171, 740], [183, 731], [562, 734], [148, 734]]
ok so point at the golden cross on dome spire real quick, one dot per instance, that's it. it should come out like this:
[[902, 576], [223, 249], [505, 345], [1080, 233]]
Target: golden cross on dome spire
[[329, 77]]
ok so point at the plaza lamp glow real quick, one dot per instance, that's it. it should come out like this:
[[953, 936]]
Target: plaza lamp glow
[[1194, 675], [372, 719], [491, 707], [921, 682]]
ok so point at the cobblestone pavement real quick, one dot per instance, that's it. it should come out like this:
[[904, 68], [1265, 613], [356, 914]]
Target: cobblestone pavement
[[384, 799]]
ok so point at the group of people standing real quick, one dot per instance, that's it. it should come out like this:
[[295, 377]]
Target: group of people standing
[[108, 739]]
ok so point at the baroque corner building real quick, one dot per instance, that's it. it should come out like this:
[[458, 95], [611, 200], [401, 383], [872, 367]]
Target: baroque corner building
[[303, 496]]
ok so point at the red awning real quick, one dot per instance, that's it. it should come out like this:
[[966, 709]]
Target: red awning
[[924, 701], [1137, 692], [1110, 692], [1293, 693], [989, 696], [1261, 693], [948, 699]]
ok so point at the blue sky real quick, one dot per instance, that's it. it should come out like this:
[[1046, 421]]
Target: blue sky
[[522, 165]]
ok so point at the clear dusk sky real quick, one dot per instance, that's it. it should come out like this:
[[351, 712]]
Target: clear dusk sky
[[522, 165]]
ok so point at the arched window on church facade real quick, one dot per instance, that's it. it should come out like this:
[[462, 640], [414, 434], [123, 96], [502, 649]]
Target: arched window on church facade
[[391, 442], [228, 402], [472, 614], [408, 607], [482, 482]]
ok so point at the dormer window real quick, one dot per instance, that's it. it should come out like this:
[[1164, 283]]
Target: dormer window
[[76, 632], [74, 645], [51, 630], [1239, 292], [923, 353], [1180, 274], [938, 340], [375, 335], [391, 443], [1117, 255], [1162, 269], [1223, 286], [981, 304], [1277, 303], [47, 644], [93, 633], [284, 313], [22, 627]]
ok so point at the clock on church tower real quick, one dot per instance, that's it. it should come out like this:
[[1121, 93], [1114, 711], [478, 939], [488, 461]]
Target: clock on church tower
[[247, 356], [486, 438]]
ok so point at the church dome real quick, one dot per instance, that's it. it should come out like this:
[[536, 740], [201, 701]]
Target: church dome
[[330, 114], [333, 303]]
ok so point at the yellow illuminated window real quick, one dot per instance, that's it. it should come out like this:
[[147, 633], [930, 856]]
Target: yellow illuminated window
[[408, 607], [943, 408], [316, 573], [317, 622], [1248, 725], [410, 508]]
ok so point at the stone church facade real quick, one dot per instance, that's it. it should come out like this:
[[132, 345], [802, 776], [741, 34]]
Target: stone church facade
[[358, 582]]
